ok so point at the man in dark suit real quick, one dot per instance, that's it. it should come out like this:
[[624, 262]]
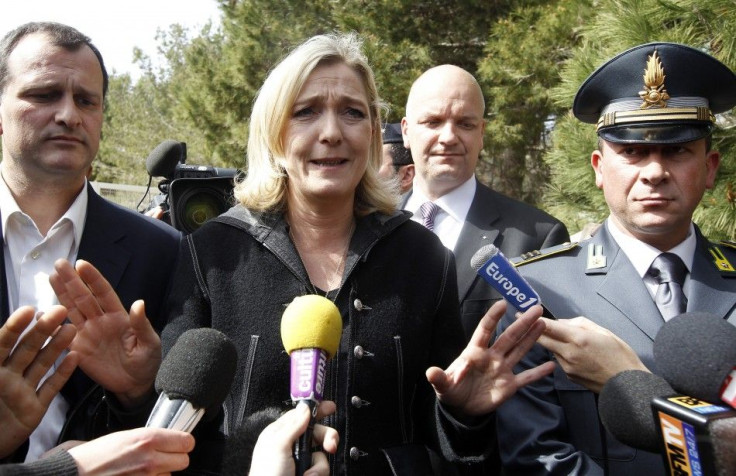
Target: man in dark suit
[[444, 127], [52, 90], [653, 162]]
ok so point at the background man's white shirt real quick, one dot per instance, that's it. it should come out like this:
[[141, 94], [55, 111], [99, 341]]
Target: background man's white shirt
[[454, 207]]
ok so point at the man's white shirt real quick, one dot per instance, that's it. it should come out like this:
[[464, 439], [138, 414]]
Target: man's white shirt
[[29, 260], [454, 207]]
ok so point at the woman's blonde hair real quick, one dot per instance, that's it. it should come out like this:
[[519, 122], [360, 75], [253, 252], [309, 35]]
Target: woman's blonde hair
[[264, 186]]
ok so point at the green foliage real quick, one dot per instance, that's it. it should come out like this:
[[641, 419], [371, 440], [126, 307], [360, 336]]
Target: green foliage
[[521, 63], [216, 76], [140, 115], [617, 26], [530, 57]]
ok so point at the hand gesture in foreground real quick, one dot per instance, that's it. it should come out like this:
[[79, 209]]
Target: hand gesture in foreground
[[482, 377], [23, 363], [119, 350]]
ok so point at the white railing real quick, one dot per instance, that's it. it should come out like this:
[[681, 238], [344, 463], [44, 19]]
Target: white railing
[[125, 195]]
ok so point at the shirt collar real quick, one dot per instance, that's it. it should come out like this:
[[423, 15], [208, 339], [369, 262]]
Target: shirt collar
[[456, 203], [642, 255], [8, 206], [76, 214]]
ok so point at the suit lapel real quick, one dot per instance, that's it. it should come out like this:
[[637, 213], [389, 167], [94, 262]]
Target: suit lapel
[[624, 289], [101, 239], [708, 290], [477, 231]]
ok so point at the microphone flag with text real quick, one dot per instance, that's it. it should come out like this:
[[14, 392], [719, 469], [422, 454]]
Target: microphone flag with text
[[194, 379], [694, 437], [498, 271], [311, 327], [698, 437]]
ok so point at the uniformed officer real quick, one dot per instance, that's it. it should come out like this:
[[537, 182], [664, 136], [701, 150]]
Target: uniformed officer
[[397, 162], [653, 107]]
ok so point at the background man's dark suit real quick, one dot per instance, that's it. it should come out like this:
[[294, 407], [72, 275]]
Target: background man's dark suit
[[513, 227], [561, 416], [137, 255]]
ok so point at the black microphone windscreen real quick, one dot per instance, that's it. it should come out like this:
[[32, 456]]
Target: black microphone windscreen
[[723, 439], [694, 352], [625, 408], [199, 368], [162, 160]]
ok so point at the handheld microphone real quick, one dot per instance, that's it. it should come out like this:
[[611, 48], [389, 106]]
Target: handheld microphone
[[498, 271], [643, 411], [698, 437], [311, 327], [696, 353], [162, 160], [625, 407], [194, 379]]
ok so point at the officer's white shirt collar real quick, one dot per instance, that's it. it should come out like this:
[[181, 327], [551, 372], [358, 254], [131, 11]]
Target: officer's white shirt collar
[[642, 255], [454, 205]]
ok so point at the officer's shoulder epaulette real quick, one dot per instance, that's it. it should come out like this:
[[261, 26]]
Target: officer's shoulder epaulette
[[722, 262], [536, 255], [728, 244]]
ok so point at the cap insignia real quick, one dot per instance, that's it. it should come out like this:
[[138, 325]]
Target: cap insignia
[[654, 94]]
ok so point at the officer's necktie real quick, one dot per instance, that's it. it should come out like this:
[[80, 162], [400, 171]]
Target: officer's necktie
[[429, 212], [669, 271]]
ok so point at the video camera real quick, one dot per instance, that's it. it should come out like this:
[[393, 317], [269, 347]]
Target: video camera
[[190, 194]]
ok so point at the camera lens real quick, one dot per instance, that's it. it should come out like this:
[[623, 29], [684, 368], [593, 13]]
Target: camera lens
[[200, 206], [195, 200]]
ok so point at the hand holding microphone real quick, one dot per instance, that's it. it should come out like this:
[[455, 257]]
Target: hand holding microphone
[[311, 327], [588, 353], [273, 452]]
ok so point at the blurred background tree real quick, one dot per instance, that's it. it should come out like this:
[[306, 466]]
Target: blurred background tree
[[529, 57], [616, 26]]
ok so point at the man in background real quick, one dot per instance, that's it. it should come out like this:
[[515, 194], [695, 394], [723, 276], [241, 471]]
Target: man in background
[[444, 127], [52, 93], [397, 162]]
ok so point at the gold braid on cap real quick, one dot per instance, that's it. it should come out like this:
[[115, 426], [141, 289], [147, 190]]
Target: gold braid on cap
[[654, 94]]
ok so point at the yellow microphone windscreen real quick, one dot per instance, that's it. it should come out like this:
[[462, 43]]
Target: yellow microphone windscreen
[[311, 322]]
